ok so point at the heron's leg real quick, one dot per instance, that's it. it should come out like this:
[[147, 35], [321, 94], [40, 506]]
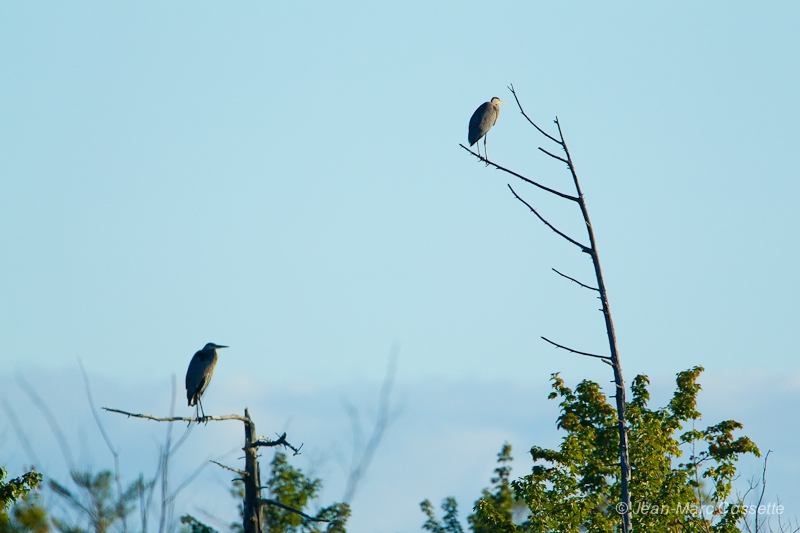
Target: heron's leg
[[485, 152], [200, 404]]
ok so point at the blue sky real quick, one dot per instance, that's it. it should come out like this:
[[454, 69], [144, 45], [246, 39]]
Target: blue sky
[[286, 179]]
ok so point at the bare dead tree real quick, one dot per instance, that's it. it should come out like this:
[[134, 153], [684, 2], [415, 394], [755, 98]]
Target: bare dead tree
[[251, 475], [612, 359]]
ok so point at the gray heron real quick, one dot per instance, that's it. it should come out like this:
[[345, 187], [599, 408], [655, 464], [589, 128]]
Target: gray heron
[[199, 374], [482, 121]]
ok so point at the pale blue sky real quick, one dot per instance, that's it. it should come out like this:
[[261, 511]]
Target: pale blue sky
[[286, 179]]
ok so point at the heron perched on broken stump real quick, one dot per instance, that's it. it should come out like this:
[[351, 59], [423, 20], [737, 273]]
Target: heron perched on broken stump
[[199, 375], [482, 121]]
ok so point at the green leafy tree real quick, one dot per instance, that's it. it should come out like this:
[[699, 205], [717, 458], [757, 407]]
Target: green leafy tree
[[26, 515], [499, 504], [500, 500], [449, 523], [193, 525], [289, 486], [677, 469], [13, 489]]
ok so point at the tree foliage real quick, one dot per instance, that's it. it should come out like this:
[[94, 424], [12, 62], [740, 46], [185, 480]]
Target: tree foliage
[[13, 489], [193, 525], [27, 515], [449, 523], [681, 479], [289, 486], [499, 504]]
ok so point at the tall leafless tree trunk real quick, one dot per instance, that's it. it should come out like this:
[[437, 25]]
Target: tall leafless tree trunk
[[612, 359], [252, 479]]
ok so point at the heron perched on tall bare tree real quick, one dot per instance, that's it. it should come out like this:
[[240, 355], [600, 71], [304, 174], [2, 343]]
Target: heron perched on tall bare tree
[[199, 374], [482, 121]]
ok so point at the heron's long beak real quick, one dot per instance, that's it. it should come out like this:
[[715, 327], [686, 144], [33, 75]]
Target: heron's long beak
[[501, 102], [220, 346]]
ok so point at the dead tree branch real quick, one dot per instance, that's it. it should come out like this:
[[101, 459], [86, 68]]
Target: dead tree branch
[[265, 442], [519, 104], [267, 501], [575, 280], [606, 359], [234, 470], [207, 418], [252, 521], [554, 156], [549, 225], [520, 176]]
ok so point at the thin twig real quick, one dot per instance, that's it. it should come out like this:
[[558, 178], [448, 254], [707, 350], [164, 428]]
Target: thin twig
[[523, 178], [511, 88], [266, 443], [234, 470], [751, 485], [267, 501], [788, 527], [207, 418], [603, 358], [575, 280], [763, 486], [554, 156], [570, 239]]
